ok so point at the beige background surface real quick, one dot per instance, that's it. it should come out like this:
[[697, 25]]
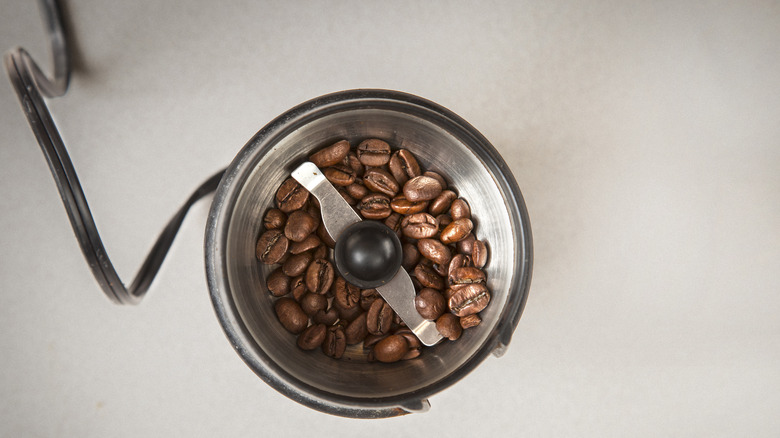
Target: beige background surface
[[644, 135]]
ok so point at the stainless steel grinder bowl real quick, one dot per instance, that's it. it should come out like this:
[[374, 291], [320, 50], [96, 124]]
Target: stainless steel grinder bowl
[[442, 142]]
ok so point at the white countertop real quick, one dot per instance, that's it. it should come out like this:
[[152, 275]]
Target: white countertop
[[644, 135]]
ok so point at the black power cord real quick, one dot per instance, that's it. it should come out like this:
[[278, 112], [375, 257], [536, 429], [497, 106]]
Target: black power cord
[[30, 84]]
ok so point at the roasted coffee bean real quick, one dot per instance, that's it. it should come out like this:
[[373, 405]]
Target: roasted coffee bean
[[479, 253], [413, 353], [379, 180], [422, 188], [457, 230], [375, 206], [466, 245], [299, 226], [311, 303], [290, 315], [419, 226], [373, 152], [346, 295], [372, 340], [430, 303], [319, 276], [278, 283], [449, 326], [411, 338], [449, 292], [297, 264], [434, 250], [437, 176], [411, 256], [357, 191], [428, 277], [339, 175], [347, 315], [367, 297], [442, 270], [328, 317], [298, 288], [291, 196], [274, 219], [394, 223], [331, 155], [470, 321], [444, 220], [391, 349], [469, 300], [401, 205], [322, 233], [347, 197], [459, 277], [309, 243], [354, 163], [458, 261], [356, 330], [403, 166], [271, 247], [321, 252], [460, 209], [312, 337], [379, 318], [335, 342], [442, 202]]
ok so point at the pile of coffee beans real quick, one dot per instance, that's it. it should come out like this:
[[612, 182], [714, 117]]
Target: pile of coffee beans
[[440, 252]]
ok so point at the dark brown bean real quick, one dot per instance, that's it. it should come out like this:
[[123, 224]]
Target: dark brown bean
[[310, 242], [290, 315], [403, 166], [357, 191], [470, 321], [479, 253], [297, 264], [347, 197], [444, 220], [428, 277], [458, 261], [339, 175], [367, 297], [372, 340], [330, 155], [437, 177], [457, 230], [442, 202], [465, 275], [449, 326], [299, 226], [291, 196], [328, 317], [322, 233], [335, 342], [311, 303], [442, 270], [356, 331], [401, 205], [319, 276], [373, 152], [321, 252], [375, 206], [347, 315], [419, 226], [430, 303], [312, 337], [469, 300], [460, 209], [271, 247], [346, 295], [379, 180], [274, 219], [354, 163], [422, 188], [394, 223], [379, 318], [298, 288], [278, 283], [411, 256], [435, 251], [391, 349], [411, 338], [466, 244]]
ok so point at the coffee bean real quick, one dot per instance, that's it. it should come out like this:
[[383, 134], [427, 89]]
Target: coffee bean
[[457, 230], [458, 261], [297, 264], [367, 297], [290, 315], [422, 188], [479, 253], [428, 277], [444, 220], [373, 152], [470, 321], [394, 223], [278, 283], [469, 300], [449, 326], [298, 288], [430, 303], [311, 303], [411, 256], [330, 155], [291, 196], [460, 209], [434, 250], [413, 353], [379, 180], [375, 206], [322, 233], [354, 163], [357, 191], [328, 317], [419, 226], [348, 314], [346, 295], [271, 247], [309, 243], [356, 330], [335, 342], [299, 226], [401, 205], [411, 338], [437, 177], [274, 218], [442, 270], [465, 275], [391, 349], [347, 197], [372, 340], [312, 337], [379, 317], [403, 166], [339, 175], [442, 202], [466, 245], [321, 252], [319, 276]]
